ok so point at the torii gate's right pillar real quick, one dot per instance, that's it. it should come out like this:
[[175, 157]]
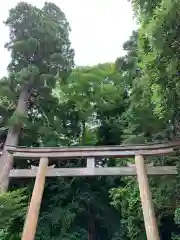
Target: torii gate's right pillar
[[146, 200]]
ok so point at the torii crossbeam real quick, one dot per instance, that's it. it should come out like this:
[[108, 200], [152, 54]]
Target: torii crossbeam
[[91, 153]]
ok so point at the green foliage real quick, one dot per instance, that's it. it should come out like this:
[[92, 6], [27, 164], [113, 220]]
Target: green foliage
[[126, 200], [15, 119], [89, 90], [134, 100], [39, 37], [13, 206], [175, 237], [177, 216]]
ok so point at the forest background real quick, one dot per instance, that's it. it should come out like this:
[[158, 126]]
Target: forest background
[[46, 101]]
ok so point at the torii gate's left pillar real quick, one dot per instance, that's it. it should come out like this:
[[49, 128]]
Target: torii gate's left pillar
[[30, 225]]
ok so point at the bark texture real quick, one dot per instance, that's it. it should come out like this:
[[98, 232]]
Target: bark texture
[[6, 160], [91, 226]]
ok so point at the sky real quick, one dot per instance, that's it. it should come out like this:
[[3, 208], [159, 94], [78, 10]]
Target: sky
[[99, 28]]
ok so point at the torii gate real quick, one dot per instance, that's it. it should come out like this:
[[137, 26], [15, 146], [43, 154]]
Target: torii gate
[[91, 153]]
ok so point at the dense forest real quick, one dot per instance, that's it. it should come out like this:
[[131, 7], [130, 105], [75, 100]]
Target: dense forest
[[45, 100]]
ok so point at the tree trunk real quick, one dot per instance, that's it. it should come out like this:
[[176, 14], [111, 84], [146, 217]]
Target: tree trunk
[[91, 224], [91, 228], [83, 132], [6, 160]]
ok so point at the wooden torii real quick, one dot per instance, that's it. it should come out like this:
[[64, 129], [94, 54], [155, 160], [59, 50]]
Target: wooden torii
[[91, 153]]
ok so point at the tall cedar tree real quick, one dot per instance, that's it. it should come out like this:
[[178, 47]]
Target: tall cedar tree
[[41, 52]]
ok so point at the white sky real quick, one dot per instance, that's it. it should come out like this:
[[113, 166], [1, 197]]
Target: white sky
[[99, 28]]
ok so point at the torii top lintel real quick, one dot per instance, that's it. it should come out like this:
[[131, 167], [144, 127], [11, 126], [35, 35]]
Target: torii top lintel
[[97, 151]]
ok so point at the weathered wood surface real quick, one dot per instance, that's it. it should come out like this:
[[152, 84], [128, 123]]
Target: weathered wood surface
[[30, 225], [98, 151], [149, 146], [90, 162], [6, 164], [109, 171], [146, 200], [92, 153]]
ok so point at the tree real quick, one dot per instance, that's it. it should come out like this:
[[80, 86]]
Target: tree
[[95, 91], [40, 50], [153, 112], [135, 99]]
